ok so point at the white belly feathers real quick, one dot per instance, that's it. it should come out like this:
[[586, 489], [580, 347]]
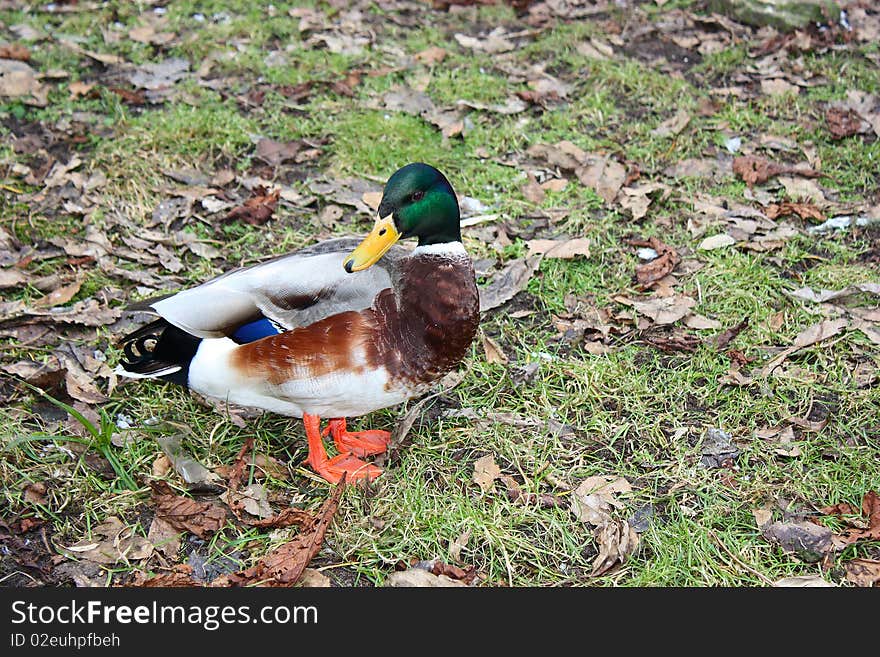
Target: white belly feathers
[[336, 394]]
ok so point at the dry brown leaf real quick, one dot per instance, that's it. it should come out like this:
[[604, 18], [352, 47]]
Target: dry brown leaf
[[564, 155], [284, 518], [867, 529], [729, 335], [15, 51], [701, 323], [716, 242], [258, 209], [756, 170], [11, 277], [532, 191], [867, 105], [313, 579], [466, 575], [253, 499], [649, 273], [179, 576], [494, 353], [432, 55], [372, 199], [507, 283], [35, 493], [595, 497], [803, 210], [674, 125], [18, 80], [844, 122], [111, 541], [762, 517], [494, 42], [164, 537], [617, 540], [808, 337], [778, 87], [695, 168], [486, 471], [458, 544], [803, 581], [284, 565], [603, 175], [809, 541], [554, 184], [863, 572], [419, 577], [665, 310], [147, 34], [808, 294], [563, 249], [185, 514]]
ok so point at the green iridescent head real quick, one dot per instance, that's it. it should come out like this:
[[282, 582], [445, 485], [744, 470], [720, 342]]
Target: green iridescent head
[[418, 202], [422, 204]]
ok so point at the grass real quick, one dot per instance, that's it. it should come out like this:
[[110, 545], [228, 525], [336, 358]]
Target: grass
[[634, 412]]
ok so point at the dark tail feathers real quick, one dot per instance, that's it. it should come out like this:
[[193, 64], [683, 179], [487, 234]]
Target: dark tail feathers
[[159, 350]]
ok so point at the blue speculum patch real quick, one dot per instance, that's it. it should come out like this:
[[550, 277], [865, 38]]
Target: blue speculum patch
[[257, 330]]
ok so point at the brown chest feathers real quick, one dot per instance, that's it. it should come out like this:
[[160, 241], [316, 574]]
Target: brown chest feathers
[[418, 335], [426, 330]]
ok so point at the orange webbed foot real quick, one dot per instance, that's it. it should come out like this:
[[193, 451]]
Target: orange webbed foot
[[346, 463], [359, 443], [349, 465]]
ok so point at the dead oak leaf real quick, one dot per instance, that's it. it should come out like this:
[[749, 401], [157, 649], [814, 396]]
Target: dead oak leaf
[[253, 499], [648, 273], [563, 249], [806, 338], [863, 572], [509, 282], [432, 55], [753, 169], [494, 352], [35, 493], [805, 539], [15, 51], [419, 577], [486, 471], [862, 529], [284, 565], [727, 336], [274, 152], [111, 541], [595, 497], [603, 175], [617, 540], [164, 536], [179, 576], [532, 191], [665, 310], [258, 209], [185, 514], [844, 122], [59, 296], [803, 210]]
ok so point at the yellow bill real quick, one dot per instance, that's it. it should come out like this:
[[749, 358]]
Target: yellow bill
[[374, 246]]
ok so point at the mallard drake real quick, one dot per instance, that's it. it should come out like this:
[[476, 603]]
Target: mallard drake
[[338, 329]]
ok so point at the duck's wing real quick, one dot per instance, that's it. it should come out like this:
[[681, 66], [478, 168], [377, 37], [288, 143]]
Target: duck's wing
[[291, 291]]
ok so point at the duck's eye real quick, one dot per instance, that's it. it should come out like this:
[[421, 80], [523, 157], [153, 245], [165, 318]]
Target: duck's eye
[[417, 195]]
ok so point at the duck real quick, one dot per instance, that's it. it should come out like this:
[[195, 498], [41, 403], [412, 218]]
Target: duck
[[336, 330]]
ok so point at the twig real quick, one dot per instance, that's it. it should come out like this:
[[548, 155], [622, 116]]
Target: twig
[[754, 572]]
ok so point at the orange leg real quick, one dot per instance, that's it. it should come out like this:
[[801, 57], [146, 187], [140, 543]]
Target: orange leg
[[359, 443], [333, 469]]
